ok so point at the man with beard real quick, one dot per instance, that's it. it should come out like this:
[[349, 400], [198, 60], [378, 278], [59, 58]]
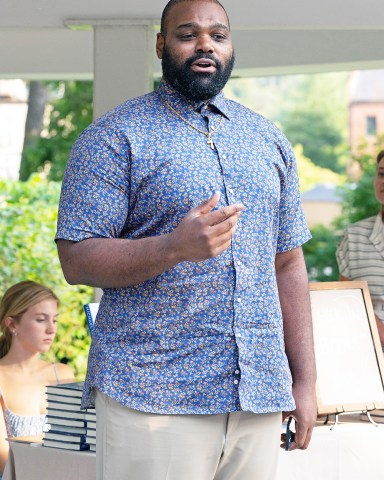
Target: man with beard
[[185, 208]]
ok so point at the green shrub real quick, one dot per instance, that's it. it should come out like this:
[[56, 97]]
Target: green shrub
[[319, 253], [28, 212]]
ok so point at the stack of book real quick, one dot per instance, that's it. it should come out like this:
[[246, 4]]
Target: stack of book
[[66, 422], [90, 439]]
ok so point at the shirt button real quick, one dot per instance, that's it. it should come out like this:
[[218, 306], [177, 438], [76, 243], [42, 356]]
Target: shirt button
[[237, 372], [236, 382], [239, 300], [230, 190], [224, 158], [239, 262]]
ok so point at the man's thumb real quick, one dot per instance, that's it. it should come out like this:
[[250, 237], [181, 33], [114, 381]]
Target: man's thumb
[[208, 205]]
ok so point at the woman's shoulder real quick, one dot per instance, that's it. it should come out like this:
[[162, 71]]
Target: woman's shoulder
[[64, 373], [362, 226]]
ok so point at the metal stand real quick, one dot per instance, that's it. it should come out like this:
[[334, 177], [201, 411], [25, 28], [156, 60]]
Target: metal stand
[[371, 419]]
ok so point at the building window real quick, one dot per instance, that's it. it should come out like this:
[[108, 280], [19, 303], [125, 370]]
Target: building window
[[371, 126]]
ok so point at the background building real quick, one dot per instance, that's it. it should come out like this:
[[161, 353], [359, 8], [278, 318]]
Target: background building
[[366, 107]]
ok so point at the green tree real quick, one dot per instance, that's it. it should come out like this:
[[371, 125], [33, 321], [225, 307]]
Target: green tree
[[359, 202], [319, 253], [311, 109], [37, 101], [317, 118], [28, 212], [359, 199], [315, 131], [311, 174], [67, 115]]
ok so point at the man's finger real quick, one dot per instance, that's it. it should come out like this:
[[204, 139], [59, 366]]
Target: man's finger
[[207, 205], [221, 215], [302, 438]]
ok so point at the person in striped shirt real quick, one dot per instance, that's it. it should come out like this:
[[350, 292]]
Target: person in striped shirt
[[360, 254]]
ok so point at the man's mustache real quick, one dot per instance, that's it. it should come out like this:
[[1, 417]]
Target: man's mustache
[[202, 56]]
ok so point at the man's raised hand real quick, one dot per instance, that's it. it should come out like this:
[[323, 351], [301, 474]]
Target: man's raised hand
[[205, 233]]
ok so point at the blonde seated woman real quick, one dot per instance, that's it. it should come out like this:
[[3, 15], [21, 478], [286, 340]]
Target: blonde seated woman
[[28, 322]]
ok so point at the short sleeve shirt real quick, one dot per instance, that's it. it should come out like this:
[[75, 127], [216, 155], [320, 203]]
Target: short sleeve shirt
[[202, 337], [360, 256]]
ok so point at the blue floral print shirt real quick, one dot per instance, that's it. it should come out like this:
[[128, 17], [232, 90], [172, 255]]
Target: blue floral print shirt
[[201, 337]]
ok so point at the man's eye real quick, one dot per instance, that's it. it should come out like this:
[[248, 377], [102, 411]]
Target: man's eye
[[187, 36], [218, 36]]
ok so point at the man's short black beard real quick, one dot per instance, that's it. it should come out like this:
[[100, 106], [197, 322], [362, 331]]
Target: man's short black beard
[[195, 85]]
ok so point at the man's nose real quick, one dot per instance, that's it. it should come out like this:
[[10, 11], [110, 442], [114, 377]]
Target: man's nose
[[204, 44]]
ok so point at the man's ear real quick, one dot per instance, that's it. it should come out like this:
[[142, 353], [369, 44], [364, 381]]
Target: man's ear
[[160, 40]]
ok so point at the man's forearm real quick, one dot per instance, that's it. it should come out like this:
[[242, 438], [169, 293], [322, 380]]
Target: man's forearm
[[115, 263], [298, 335], [295, 303]]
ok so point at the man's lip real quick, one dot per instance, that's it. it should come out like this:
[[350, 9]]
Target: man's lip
[[204, 61]]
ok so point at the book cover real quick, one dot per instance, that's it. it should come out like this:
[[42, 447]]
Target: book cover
[[91, 310], [54, 427], [91, 433], [74, 389], [63, 399], [65, 445], [69, 422], [72, 414], [65, 437], [69, 407], [90, 440], [90, 415], [91, 425]]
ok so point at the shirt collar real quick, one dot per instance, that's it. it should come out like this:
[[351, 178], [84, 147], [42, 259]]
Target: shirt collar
[[376, 236], [183, 105]]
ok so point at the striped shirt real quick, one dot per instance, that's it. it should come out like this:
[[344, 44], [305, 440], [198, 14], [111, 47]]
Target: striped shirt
[[360, 256]]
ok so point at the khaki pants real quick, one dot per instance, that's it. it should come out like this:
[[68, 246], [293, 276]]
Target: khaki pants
[[134, 445]]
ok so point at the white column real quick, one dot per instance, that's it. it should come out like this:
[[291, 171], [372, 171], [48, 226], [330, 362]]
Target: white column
[[123, 63], [123, 67]]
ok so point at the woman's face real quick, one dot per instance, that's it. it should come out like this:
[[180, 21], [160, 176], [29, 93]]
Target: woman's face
[[37, 327], [379, 182]]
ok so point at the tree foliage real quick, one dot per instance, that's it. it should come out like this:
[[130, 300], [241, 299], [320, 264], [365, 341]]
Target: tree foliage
[[359, 202], [312, 110], [320, 139], [28, 212], [359, 199], [37, 101], [68, 114], [319, 253], [317, 118], [311, 174]]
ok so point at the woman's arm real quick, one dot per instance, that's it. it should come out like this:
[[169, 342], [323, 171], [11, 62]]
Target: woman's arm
[[379, 323], [65, 373], [4, 446]]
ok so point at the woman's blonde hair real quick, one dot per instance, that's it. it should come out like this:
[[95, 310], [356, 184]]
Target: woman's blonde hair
[[15, 302]]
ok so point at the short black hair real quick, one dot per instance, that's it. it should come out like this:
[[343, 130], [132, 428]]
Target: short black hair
[[172, 3], [380, 156]]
